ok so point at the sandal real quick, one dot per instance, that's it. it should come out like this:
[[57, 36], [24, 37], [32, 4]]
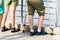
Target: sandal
[[14, 30], [4, 29]]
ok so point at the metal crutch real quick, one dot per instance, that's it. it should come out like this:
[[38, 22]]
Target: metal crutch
[[49, 17], [22, 27]]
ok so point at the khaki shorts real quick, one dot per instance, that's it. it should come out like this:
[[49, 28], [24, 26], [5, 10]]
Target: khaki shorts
[[8, 3], [36, 5]]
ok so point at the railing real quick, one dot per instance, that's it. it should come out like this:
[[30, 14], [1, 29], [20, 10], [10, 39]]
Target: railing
[[49, 13]]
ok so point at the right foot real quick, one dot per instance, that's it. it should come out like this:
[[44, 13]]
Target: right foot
[[4, 29], [14, 30]]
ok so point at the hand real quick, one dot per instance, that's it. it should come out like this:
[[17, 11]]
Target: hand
[[0, 2]]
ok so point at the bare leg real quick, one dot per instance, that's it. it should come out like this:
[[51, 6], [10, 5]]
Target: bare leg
[[40, 22], [1, 16], [13, 16], [5, 16], [30, 21]]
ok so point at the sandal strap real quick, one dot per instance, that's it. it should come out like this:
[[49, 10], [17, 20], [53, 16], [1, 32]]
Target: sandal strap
[[14, 29]]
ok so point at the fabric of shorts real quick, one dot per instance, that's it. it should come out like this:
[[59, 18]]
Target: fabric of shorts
[[37, 5], [11, 2], [2, 8]]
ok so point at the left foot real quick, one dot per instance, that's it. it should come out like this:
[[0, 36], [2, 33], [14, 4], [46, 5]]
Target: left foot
[[41, 33], [32, 33]]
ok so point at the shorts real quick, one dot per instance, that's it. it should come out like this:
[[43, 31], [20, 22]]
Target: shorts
[[13, 2], [37, 5], [2, 8]]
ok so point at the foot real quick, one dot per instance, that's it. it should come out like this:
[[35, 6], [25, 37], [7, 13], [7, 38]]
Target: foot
[[32, 33], [41, 33], [4, 29], [14, 30]]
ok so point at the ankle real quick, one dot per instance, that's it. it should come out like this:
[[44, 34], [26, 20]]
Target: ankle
[[3, 26], [31, 30], [39, 30], [13, 27]]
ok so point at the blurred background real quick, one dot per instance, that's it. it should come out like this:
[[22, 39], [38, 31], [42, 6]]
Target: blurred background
[[52, 13]]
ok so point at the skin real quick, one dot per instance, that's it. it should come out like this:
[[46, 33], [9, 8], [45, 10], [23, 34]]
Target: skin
[[0, 2], [40, 21], [12, 16], [1, 15]]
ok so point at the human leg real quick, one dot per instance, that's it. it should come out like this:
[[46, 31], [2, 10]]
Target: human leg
[[1, 16]]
